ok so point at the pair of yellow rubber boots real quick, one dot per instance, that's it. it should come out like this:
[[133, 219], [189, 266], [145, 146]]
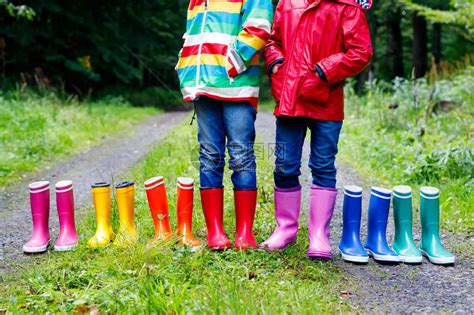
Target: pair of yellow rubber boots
[[127, 233]]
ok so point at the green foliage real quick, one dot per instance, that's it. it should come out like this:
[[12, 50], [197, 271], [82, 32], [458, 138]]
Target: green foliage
[[95, 45], [169, 279], [419, 134], [35, 130], [20, 11], [132, 43], [451, 162], [391, 18], [462, 14]]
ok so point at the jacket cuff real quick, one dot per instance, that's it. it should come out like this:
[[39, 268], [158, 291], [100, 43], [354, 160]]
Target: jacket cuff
[[235, 63], [321, 73], [327, 73], [273, 64]]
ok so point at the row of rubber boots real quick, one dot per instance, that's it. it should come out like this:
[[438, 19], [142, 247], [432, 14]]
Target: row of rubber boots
[[212, 204], [158, 203], [404, 247], [40, 206]]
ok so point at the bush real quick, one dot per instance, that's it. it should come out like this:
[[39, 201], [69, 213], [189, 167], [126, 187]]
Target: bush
[[452, 163]]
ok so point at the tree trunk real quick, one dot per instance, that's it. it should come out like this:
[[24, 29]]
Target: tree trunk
[[396, 45], [437, 48], [361, 79], [364, 75], [420, 47]]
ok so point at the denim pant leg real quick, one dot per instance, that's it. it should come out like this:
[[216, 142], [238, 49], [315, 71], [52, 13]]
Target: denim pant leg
[[324, 141], [290, 135], [211, 137], [239, 124]]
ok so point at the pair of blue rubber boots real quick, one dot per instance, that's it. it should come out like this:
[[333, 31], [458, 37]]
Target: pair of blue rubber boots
[[376, 244]]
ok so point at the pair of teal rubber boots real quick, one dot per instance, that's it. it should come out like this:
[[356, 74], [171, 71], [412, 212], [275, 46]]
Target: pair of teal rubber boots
[[430, 244]]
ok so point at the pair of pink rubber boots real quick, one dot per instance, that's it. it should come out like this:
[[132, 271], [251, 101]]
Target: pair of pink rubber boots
[[287, 211], [39, 198]]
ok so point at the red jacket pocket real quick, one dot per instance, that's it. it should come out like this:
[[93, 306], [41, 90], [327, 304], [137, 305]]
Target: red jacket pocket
[[312, 89]]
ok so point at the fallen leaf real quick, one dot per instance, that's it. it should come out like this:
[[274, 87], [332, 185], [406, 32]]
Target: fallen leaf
[[84, 309]]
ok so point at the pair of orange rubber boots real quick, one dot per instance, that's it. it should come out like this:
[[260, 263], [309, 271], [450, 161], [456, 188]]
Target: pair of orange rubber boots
[[158, 202]]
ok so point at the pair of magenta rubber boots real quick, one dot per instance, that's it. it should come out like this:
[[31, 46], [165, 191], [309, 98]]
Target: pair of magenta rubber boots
[[40, 204], [287, 211]]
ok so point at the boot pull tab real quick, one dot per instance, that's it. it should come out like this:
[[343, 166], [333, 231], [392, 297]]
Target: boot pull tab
[[193, 118]]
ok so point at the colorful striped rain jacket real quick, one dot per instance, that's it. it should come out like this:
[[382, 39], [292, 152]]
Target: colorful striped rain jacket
[[219, 58]]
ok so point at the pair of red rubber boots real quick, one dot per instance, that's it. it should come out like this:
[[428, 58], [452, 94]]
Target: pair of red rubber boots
[[213, 208]]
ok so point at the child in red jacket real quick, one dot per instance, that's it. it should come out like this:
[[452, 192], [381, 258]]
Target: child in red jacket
[[314, 46]]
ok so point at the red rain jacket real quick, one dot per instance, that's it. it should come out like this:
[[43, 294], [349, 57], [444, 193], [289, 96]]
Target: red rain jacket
[[332, 34]]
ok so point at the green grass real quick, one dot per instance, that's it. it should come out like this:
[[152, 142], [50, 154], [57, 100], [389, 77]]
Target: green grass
[[169, 279], [36, 131]]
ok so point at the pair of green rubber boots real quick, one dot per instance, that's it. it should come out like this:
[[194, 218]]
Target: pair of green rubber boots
[[430, 244]]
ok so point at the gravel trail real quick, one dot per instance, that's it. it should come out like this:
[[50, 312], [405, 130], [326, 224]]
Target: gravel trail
[[376, 288], [107, 161]]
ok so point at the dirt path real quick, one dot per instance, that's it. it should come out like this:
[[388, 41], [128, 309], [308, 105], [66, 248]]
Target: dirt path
[[103, 162], [376, 288]]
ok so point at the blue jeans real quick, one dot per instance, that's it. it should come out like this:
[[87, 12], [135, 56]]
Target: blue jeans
[[290, 135], [222, 124]]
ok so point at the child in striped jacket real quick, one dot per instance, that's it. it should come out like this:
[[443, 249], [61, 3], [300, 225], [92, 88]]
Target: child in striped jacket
[[218, 72]]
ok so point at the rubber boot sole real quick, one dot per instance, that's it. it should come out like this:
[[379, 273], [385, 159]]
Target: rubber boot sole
[[219, 247], [319, 256], [383, 258], [36, 249], [354, 259], [439, 260], [411, 259], [64, 248], [276, 249]]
